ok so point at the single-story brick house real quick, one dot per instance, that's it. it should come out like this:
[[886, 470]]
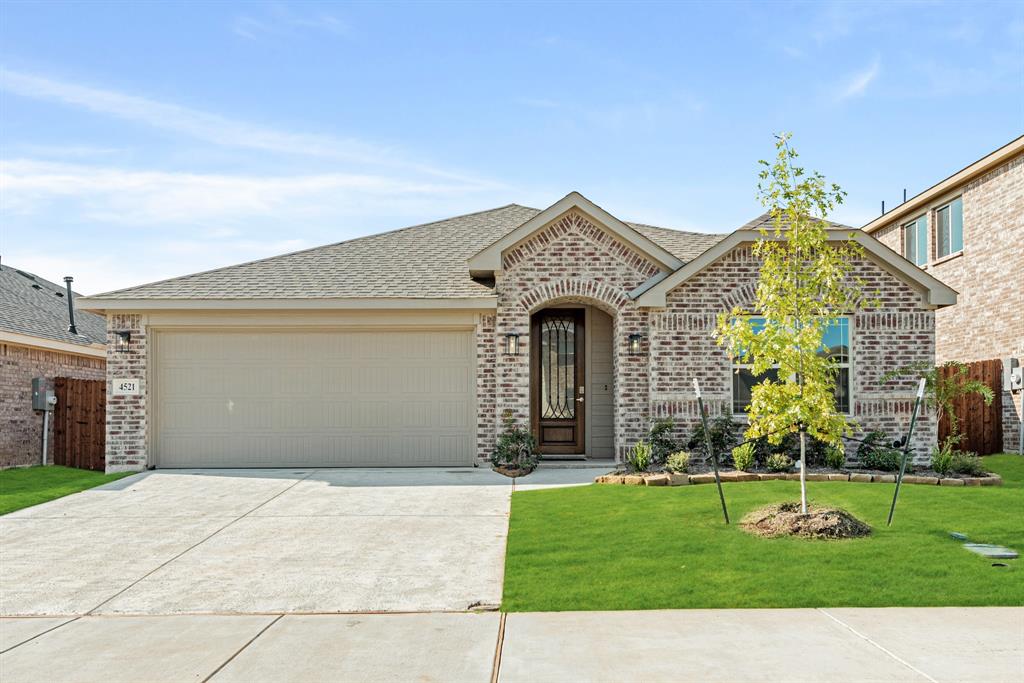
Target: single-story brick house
[[35, 342], [405, 348]]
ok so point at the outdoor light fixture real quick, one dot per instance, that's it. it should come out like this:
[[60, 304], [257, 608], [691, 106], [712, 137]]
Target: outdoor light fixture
[[634, 344], [124, 340], [511, 344]]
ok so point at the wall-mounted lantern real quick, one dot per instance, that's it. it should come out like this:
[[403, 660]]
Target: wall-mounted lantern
[[124, 341], [511, 344], [634, 344]]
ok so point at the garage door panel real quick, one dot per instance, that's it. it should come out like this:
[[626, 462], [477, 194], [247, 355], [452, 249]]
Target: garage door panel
[[325, 398]]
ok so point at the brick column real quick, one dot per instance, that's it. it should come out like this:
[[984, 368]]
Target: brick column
[[126, 415]]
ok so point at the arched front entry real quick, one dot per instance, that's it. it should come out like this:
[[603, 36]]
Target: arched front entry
[[572, 381]]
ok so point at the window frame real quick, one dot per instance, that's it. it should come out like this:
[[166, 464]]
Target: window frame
[[948, 206], [921, 257], [735, 365]]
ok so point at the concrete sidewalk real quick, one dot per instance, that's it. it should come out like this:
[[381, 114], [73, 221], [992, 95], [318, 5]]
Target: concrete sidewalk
[[898, 644]]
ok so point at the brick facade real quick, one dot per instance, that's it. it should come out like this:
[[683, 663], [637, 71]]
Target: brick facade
[[986, 322], [573, 260], [20, 438], [897, 332], [126, 415]]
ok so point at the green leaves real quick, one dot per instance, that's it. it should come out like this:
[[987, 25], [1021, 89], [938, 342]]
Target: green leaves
[[805, 280]]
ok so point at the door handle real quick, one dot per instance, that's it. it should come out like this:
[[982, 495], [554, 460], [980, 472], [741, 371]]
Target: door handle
[[579, 400]]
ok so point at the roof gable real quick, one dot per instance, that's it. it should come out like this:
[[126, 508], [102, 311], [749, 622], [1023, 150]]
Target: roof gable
[[652, 293], [488, 260]]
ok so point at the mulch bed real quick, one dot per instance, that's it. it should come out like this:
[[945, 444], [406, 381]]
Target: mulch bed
[[509, 472], [785, 519]]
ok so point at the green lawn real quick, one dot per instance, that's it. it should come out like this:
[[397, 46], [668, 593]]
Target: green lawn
[[626, 547], [22, 487]]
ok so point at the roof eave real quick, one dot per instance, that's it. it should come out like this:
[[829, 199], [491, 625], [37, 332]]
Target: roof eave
[[351, 303], [935, 192], [92, 349]]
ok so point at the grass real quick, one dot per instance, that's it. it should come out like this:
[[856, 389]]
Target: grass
[[22, 487], [627, 547]]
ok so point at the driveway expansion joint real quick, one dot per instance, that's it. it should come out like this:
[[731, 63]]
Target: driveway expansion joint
[[242, 649]]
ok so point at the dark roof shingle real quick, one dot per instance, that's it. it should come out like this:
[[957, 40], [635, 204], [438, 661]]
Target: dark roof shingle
[[36, 307]]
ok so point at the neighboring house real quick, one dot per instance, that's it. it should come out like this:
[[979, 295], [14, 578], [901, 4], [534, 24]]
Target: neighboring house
[[968, 231], [35, 342], [408, 347]]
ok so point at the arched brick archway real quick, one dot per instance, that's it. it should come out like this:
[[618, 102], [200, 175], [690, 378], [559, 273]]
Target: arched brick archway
[[609, 299]]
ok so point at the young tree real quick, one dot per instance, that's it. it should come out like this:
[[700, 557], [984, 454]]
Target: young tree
[[805, 281]]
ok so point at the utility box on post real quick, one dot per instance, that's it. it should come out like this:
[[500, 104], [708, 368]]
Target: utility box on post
[[43, 397]]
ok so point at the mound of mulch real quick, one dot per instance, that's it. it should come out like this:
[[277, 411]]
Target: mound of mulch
[[785, 519], [513, 471]]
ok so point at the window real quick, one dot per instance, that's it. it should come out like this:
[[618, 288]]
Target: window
[[915, 241], [835, 344], [949, 228]]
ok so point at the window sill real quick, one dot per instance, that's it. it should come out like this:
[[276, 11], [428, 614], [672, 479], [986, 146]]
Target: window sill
[[948, 257]]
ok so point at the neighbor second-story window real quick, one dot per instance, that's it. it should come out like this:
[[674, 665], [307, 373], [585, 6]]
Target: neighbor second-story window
[[915, 241], [949, 228]]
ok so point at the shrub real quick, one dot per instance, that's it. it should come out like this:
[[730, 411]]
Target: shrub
[[778, 462], [662, 442], [875, 453], [965, 462], [942, 458], [835, 457], [724, 435], [814, 450], [743, 456], [516, 448], [639, 456], [678, 462], [884, 459]]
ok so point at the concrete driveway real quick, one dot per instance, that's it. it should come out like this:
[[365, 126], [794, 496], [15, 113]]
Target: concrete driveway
[[261, 541]]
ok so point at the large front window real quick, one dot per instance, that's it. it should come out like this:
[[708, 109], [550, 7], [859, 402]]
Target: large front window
[[835, 344]]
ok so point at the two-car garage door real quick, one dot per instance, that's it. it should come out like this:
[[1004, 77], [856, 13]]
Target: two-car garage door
[[318, 398]]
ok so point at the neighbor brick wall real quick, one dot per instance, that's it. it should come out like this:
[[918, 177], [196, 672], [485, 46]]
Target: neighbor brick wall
[[20, 426], [987, 321], [126, 415], [573, 260], [898, 332]]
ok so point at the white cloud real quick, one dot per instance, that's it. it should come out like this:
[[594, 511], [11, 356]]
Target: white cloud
[[857, 84], [139, 198], [281, 20], [216, 129], [114, 227]]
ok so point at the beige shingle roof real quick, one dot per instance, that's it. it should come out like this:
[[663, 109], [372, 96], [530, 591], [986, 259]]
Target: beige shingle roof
[[421, 262]]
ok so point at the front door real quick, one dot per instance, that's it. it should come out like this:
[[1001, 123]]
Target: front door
[[556, 380]]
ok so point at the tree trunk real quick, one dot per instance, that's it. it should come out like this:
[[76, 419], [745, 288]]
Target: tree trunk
[[803, 472]]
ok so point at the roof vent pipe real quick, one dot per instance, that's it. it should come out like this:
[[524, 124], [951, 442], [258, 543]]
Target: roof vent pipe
[[71, 306]]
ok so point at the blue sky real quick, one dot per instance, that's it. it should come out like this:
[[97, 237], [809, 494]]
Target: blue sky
[[141, 141]]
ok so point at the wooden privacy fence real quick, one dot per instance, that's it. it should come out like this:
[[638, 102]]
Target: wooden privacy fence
[[79, 423], [981, 425]]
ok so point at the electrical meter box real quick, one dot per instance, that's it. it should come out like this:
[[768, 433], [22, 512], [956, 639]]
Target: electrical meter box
[[43, 397], [1013, 375]]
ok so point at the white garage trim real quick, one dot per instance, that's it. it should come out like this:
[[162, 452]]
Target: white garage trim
[[312, 397]]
